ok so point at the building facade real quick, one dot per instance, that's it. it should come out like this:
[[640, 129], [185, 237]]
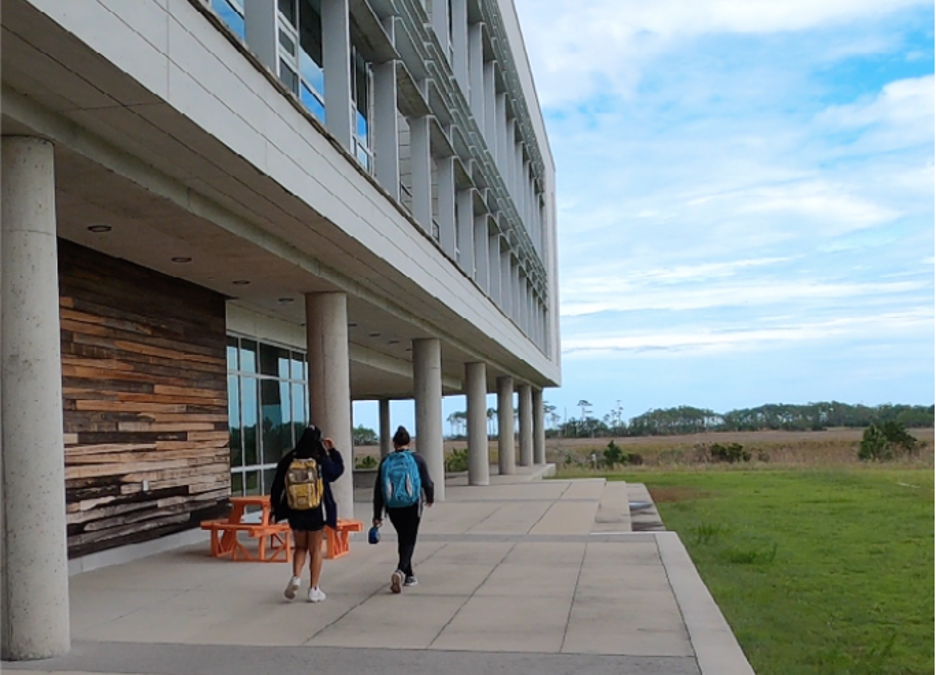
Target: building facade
[[225, 219]]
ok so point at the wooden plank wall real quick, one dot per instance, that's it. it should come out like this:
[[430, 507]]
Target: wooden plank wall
[[144, 381]]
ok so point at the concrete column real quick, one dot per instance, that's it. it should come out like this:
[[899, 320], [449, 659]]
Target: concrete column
[[526, 424], [539, 428], [465, 231], [421, 169], [446, 186], [440, 23], [476, 395], [35, 620], [330, 383], [506, 449], [386, 435], [336, 58], [460, 44], [490, 108], [427, 381], [481, 251], [476, 72], [260, 30], [494, 268], [502, 146], [506, 283], [387, 126]]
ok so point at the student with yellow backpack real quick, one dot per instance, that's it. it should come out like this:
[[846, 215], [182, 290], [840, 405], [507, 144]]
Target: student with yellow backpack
[[301, 494]]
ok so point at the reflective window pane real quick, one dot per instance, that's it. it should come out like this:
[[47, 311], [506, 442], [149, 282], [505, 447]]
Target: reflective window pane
[[277, 432], [234, 422], [249, 411], [248, 356], [232, 353], [252, 483], [295, 370], [274, 361], [268, 476], [237, 484], [231, 14]]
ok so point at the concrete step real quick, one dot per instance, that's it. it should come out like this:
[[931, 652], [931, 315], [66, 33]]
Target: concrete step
[[613, 513], [643, 513]]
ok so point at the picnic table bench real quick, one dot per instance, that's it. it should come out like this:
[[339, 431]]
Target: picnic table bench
[[274, 540]]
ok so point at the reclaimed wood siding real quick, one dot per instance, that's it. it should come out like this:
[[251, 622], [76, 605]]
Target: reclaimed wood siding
[[144, 383]]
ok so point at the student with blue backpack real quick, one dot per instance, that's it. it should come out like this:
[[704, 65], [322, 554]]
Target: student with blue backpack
[[402, 481]]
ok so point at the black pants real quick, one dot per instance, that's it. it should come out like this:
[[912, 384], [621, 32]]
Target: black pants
[[406, 523]]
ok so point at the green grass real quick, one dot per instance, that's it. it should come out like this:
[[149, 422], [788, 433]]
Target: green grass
[[825, 572]]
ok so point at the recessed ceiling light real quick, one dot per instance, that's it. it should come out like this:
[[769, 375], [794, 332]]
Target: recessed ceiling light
[[374, 334], [352, 325], [240, 282], [393, 342], [286, 300], [97, 229], [182, 259]]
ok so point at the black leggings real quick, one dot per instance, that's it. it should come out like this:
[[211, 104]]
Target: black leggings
[[406, 523]]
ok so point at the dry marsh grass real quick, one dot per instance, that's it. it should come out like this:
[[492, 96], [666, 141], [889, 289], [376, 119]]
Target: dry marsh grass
[[769, 449]]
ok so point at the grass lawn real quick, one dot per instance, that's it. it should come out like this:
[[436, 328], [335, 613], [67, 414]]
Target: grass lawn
[[818, 571]]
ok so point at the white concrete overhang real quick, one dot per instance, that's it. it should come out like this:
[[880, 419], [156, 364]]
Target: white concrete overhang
[[128, 158], [368, 34]]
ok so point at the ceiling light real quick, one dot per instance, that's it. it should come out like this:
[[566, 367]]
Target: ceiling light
[[240, 282], [374, 334], [393, 342], [97, 229], [182, 259], [286, 300], [352, 325]]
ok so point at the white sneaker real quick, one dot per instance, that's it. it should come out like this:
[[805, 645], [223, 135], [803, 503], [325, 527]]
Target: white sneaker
[[292, 588], [396, 581], [316, 594]]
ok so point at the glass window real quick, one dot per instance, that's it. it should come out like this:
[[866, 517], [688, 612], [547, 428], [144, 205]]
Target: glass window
[[288, 76], [231, 13], [248, 356], [288, 9], [277, 427], [295, 369], [234, 422], [232, 353], [252, 483], [237, 484], [268, 476], [274, 361], [249, 411]]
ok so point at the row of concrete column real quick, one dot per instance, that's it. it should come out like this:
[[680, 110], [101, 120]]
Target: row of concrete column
[[34, 602], [429, 413]]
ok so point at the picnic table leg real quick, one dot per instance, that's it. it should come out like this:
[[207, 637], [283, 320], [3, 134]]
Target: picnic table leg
[[229, 538]]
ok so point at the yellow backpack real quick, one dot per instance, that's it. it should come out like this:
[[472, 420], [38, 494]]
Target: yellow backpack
[[303, 485]]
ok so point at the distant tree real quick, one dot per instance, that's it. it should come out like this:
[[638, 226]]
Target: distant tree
[[364, 436]]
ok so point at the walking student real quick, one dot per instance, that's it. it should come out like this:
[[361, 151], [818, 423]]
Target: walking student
[[301, 494], [403, 485]]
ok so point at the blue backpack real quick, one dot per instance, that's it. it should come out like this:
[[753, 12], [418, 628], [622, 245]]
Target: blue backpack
[[399, 477]]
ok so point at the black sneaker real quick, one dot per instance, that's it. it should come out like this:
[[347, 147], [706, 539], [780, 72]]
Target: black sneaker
[[411, 581]]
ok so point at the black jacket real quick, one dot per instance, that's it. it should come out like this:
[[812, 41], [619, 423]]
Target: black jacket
[[427, 485], [332, 466]]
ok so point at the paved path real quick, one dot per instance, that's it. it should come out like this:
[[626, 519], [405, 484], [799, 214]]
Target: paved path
[[521, 576]]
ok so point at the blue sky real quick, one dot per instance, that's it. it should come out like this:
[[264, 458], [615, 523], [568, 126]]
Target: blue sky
[[745, 197], [745, 200]]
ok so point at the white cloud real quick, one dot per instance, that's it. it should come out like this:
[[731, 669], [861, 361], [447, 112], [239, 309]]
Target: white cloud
[[706, 340], [612, 39], [591, 295]]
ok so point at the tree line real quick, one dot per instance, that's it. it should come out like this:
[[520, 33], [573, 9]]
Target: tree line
[[771, 416]]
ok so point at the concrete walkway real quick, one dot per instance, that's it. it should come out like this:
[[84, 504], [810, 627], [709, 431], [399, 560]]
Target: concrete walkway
[[522, 576]]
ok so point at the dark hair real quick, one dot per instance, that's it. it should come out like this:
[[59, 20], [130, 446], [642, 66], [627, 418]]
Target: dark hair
[[401, 438], [310, 443]]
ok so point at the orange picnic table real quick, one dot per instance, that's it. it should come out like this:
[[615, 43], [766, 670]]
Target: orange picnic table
[[274, 539]]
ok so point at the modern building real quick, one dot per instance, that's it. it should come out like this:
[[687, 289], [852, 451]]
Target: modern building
[[224, 219]]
